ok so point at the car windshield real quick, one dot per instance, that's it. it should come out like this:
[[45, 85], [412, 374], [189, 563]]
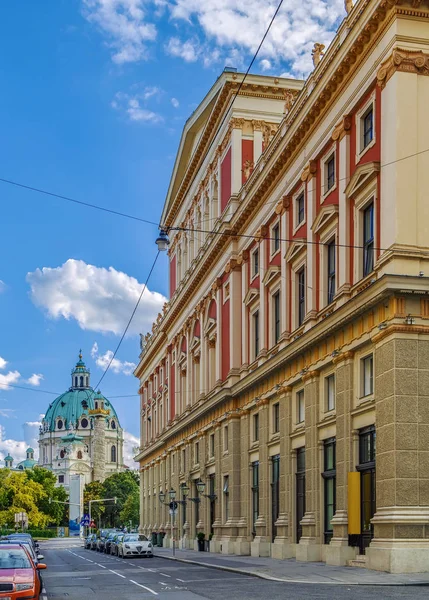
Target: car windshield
[[135, 538], [14, 559]]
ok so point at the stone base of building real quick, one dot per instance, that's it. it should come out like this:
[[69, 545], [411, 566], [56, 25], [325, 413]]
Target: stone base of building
[[242, 547], [395, 556], [308, 550], [260, 547], [282, 549], [338, 553]]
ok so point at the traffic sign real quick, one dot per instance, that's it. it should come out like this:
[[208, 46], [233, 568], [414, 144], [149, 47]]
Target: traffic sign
[[85, 521], [92, 524]]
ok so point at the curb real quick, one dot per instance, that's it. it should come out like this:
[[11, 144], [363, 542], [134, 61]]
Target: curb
[[295, 581]]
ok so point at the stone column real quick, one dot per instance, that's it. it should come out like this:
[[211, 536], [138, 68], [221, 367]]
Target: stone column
[[141, 522], [217, 525], [236, 310], [309, 547], [99, 447], [232, 467], [257, 140], [218, 348], [236, 155], [401, 531], [311, 281], [244, 314], [261, 545], [339, 552], [263, 329], [242, 544], [342, 134], [282, 548]]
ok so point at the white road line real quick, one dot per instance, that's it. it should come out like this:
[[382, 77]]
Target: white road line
[[123, 576], [162, 583], [165, 575], [182, 580], [102, 566], [153, 570], [144, 587]]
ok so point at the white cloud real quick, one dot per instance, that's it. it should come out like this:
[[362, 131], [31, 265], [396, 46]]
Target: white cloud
[[98, 299], [175, 102], [265, 64], [133, 106], [35, 379], [17, 448], [117, 366], [189, 50], [125, 25], [131, 445], [2, 286], [3, 363], [9, 378], [7, 413]]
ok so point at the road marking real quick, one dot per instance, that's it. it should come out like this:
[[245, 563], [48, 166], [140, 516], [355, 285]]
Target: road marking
[[144, 587], [123, 576], [165, 575], [102, 566], [182, 580], [153, 570]]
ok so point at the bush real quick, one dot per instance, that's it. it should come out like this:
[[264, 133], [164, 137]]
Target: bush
[[42, 533], [201, 536]]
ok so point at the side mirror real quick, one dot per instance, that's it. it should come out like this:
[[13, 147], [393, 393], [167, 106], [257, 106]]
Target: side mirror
[[40, 566], [40, 557]]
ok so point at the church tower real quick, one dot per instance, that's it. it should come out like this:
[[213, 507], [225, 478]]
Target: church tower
[[100, 414]]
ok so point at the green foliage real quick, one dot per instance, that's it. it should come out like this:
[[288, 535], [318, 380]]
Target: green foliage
[[201, 536], [58, 513], [94, 491], [131, 510], [21, 494], [122, 486]]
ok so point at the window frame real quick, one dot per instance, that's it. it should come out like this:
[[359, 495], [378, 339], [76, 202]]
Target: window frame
[[276, 417], [368, 243], [361, 148], [300, 396], [255, 349], [330, 155], [225, 439], [211, 445], [255, 427], [275, 238], [276, 317], [255, 495], [330, 378], [363, 363], [255, 264], [299, 210], [329, 479], [331, 273], [301, 295]]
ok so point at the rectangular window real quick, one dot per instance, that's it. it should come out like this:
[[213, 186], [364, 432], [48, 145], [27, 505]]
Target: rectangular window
[[275, 234], [255, 263], [367, 367], [300, 407], [330, 392], [367, 124], [368, 239], [367, 445], [301, 296], [212, 445], [330, 173], [329, 477], [226, 497], [256, 427], [276, 317], [60, 478], [331, 271], [197, 453], [255, 317], [173, 464], [275, 494], [300, 209], [183, 461], [300, 490], [225, 438], [276, 417], [255, 495]]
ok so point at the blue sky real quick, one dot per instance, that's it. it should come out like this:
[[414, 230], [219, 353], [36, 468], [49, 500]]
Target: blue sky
[[95, 94]]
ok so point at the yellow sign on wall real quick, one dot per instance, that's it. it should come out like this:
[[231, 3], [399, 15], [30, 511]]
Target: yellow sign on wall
[[354, 522]]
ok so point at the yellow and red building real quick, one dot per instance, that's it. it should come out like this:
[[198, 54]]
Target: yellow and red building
[[289, 370]]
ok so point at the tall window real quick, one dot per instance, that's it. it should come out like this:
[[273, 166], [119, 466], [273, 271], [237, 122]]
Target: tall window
[[212, 498], [276, 417], [276, 316], [367, 124], [300, 209], [256, 427], [275, 494], [366, 467], [255, 262], [331, 271], [300, 490], [330, 172], [113, 454], [212, 445], [329, 477], [226, 497], [367, 377], [330, 392], [301, 296], [60, 478], [275, 238], [255, 495], [368, 239], [300, 407], [184, 461], [255, 317], [225, 438], [197, 453]]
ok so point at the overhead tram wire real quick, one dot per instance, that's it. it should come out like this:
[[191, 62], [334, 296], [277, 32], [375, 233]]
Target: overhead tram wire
[[4, 386]]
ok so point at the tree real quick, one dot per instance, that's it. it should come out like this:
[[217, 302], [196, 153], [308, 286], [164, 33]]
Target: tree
[[131, 510], [119, 486], [94, 491], [57, 512], [22, 494]]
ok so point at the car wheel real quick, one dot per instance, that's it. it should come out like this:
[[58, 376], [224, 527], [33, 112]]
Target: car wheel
[[150, 555]]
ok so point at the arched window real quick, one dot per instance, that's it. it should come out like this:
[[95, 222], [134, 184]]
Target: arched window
[[113, 425], [62, 454], [75, 381], [86, 381], [81, 381], [60, 424], [96, 405], [113, 454], [84, 423], [79, 454]]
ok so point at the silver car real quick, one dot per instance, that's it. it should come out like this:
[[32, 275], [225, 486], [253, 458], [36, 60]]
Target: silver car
[[135, 544]]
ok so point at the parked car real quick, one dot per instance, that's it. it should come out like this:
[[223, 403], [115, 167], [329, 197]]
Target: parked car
[[102, 538], [88, 540], [34, 553], [115, 543], [108, 542], [94, 542], [135, 544], [19, 575]]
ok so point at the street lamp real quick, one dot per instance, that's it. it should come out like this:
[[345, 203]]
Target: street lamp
[[162, 241], [173, 507]]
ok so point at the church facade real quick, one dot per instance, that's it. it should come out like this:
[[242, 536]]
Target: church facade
[[80, 433]]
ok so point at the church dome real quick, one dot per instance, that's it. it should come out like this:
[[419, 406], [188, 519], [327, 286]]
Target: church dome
[[72, 409]]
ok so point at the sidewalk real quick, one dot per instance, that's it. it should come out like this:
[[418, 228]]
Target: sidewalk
[[291, 571]]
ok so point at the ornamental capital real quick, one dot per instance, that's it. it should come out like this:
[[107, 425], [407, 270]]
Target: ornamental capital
[[309, 171], [342, 129], [237, 123], [258, 125], [406, 61]]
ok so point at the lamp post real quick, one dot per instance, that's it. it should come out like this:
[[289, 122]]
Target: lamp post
[[173, 507]]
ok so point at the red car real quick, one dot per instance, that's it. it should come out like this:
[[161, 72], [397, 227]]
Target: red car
[[19, 578]]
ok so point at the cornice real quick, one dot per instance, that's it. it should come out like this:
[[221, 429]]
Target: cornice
[[404, 61]]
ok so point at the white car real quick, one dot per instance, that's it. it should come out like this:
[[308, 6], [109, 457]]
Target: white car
[[135, 544]]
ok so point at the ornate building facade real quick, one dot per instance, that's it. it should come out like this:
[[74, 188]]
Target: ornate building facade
[[80, 433], [289, 371]]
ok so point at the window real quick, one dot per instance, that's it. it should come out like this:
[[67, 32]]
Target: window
[[329, 477], [331, 271], [255, 262], [225, 438], [367, 368], [60, 424], [183, 461], [256, 427], [212, 445], [276, 317], [113, 454], [301, 296], [79, 454], [367, 127], [299, 490], [300, 407], [62, 454], [84, 423], [276, 417], [368, 239], [60, 478], [367, 445], [275, 241], [300, 209], [226, 497], [255, 318], [197, 453], [113, 425], [173, 464], [330, 173], [330, 392], [255, 495], [275, 494], [212, 498]]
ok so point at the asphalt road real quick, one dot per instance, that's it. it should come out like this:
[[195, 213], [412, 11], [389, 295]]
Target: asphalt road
[[77, 574]]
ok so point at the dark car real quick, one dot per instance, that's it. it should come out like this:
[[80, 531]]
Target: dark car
[[88, 540], [102, 539]]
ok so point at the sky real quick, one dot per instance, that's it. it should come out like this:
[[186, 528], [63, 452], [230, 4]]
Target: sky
[[95, 94]]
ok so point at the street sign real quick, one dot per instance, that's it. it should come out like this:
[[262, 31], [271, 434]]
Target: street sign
[[85, 521], [92, 524]]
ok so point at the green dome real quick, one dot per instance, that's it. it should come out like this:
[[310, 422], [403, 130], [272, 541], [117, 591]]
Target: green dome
[[72, 405], [29, 450], [8, 457], [28, 463]]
